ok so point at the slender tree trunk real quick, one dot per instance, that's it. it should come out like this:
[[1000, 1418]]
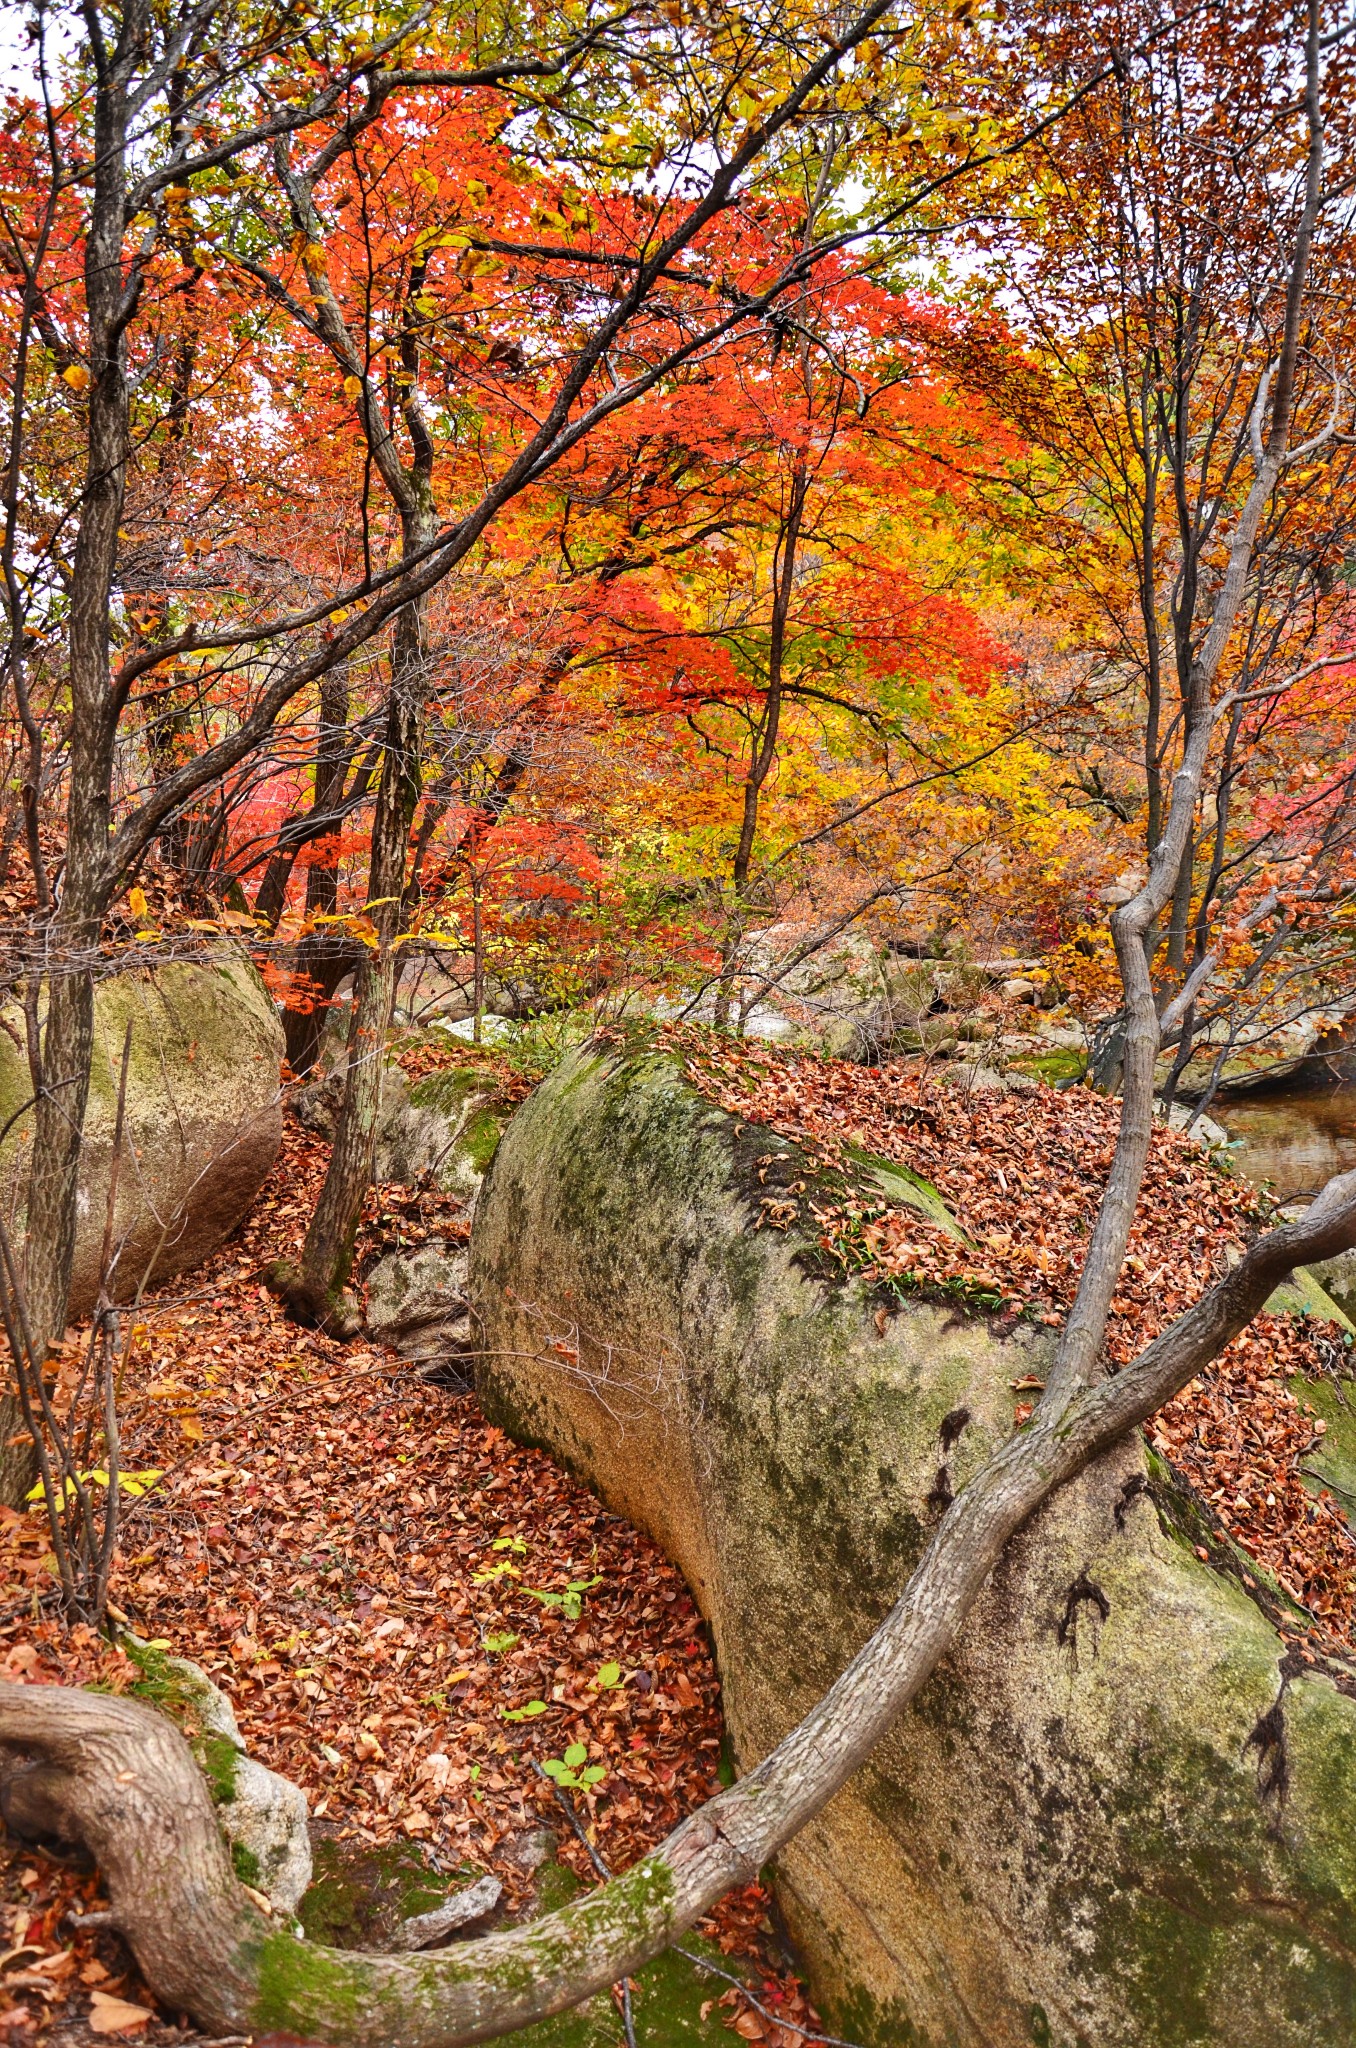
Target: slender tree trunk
[[477, 959], [327, 1258], [61, 1073], [331, 767], [763, 749]]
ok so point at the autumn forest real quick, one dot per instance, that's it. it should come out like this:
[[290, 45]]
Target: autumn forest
[[677, 988]]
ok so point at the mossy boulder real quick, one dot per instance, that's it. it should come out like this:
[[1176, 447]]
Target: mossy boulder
[[442, 1129], [203, 1117], [1119, 1816]]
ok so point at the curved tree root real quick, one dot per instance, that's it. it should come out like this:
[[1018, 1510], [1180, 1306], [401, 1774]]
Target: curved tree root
[[119, 1775]]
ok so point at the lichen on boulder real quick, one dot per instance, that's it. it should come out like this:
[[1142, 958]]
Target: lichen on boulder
[[203, 1118], [1122, 1814], [416, 1302]]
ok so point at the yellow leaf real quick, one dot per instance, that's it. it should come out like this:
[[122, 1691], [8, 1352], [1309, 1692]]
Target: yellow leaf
[[137, 900], [191, 1428], [353, 387], [77, 376]]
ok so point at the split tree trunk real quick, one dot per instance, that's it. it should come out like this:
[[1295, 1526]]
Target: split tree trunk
[[320, 1294]]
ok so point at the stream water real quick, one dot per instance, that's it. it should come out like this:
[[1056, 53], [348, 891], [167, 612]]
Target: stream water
[[1294, 1138]]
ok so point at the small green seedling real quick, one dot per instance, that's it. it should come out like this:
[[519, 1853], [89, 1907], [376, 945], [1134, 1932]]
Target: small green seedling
[[571, 1601], [496, 1645], [609, 1677], [527, 1713], [565, 1770], [502, 1570]]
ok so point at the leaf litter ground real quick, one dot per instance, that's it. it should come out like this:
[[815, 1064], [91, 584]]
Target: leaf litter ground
[[412, 1614], [409, 1612]]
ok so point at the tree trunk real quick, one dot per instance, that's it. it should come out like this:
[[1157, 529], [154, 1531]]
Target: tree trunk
[[331, 766], [763, 747], [321, 1293], [62, 1071]]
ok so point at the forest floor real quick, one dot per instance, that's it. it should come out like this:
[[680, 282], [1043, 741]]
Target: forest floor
[[381, 1582], [412, 1614]]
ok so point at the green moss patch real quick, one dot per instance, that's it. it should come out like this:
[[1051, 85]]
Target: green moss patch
[[359, 1894], [1302, 1295], [1061, 1063], [1331, 1465], [479, 1141], [449, 1090], [163, 1684], [900, 1184]]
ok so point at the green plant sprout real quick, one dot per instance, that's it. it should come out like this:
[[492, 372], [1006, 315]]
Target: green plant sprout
[[565, 1770], [571, 1601]]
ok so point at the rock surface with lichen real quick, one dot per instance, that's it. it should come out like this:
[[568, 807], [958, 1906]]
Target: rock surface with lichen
[[203, 1118], [1121, 1815], [440, 1131]]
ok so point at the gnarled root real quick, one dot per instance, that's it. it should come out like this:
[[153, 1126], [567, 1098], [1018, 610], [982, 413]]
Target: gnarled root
[[117, 1775]]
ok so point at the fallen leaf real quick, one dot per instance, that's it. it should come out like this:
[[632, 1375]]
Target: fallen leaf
[[114, 2015]]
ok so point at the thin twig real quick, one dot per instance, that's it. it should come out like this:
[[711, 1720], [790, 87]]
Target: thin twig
[[567, 1808]]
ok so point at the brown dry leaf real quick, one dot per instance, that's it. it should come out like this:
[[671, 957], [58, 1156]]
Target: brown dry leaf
[[115, 2016]]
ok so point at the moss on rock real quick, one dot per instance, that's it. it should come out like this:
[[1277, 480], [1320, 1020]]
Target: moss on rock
[[360, 1892], [1114, 1786], [203, 1109]]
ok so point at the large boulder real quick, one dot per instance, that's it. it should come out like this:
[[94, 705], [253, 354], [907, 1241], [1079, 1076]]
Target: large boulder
[[1121, 1815], [203, 1118]]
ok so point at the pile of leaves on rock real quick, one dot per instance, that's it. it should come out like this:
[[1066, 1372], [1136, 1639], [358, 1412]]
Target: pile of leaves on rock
[[1022, 1172]]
